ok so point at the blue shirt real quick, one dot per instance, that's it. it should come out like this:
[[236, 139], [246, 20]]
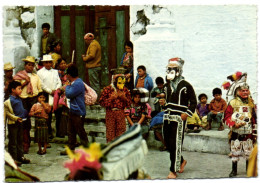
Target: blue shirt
[[17, 106], [76, 93]]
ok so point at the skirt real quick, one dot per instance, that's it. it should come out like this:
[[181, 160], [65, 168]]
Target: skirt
[[41, 131]]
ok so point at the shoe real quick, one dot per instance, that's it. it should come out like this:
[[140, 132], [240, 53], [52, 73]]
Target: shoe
[[48, 145], [39, 152], [18, 163], [23, 160], [221, 128], [182, 166], [44, 152]]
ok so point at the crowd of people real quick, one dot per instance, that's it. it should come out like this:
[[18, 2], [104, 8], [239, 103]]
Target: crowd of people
[[53, 86]]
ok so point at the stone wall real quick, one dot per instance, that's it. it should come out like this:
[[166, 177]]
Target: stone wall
[[22, 32], [217, 41]]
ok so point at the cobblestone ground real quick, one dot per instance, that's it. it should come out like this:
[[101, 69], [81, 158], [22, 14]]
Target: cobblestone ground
[[49, 167]]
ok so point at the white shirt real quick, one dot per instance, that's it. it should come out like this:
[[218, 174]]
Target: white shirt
[[50, 81]]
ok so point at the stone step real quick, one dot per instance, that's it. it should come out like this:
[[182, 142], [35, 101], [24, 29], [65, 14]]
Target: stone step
[[212, 141]]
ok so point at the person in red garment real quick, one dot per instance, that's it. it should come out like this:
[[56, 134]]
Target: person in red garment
[[115, 98]]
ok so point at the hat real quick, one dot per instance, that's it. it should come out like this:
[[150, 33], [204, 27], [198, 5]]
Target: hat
[[89, 36], [176, 62], [46, 58], [8, 66], [29, 59]]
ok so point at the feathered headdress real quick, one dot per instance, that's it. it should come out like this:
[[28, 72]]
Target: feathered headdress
[[83, 158], [238, 80]]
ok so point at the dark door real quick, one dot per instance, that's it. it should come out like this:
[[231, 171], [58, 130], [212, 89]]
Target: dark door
[[110, 25], [112, 29]]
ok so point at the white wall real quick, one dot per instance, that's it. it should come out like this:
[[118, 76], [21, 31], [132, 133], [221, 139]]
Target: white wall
[[217, 42], [16, 47]]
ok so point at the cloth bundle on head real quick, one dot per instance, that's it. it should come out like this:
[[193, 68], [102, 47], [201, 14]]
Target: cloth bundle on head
[[238, 79], [144, 94], [176, 62], [89, 36]]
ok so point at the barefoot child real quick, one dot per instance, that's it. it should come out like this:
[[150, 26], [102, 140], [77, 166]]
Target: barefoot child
[[40, 111]]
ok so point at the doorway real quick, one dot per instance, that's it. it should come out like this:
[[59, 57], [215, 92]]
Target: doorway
[[110, 25]]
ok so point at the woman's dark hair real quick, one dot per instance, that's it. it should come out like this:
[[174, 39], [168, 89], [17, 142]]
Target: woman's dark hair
[[13, 85], [129, 43], [141, 67], [46, 25], [58, 62], [159, 80], [55, 43], [202, 95]]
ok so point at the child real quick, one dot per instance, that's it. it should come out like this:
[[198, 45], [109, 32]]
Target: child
[[217, 108], [15, 114], [157, 123], [193, 123], [203, 110], [8, 77], [143, 80], [40, 111], [137, 112], [157, 92], [50, 83]]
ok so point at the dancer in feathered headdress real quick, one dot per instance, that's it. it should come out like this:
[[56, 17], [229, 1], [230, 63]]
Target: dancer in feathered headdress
[[240, 117]]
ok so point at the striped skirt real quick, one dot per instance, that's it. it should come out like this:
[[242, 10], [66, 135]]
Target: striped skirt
[[41, 130]]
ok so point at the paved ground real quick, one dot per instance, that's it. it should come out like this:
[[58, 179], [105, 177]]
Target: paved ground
[[49, 167]]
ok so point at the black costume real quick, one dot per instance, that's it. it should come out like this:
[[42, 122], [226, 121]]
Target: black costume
[[179, 100]]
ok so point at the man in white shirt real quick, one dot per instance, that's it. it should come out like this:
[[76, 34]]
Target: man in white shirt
[[50, 83]]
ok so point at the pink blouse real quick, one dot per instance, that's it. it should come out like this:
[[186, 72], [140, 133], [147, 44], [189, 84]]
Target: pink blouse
[[37, 106]]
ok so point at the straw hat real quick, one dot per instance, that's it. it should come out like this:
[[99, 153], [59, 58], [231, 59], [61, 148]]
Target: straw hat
[[8, 66], [29, 59], [46, 58]]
